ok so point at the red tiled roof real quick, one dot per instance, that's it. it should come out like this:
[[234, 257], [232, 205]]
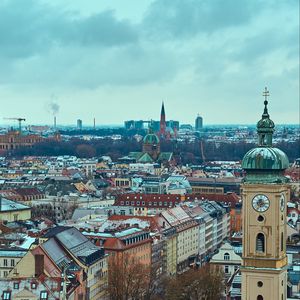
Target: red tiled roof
[[148, 200], [113, 243], [27, 191], [231, 198]]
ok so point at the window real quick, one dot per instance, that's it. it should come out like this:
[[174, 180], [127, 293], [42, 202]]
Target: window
[[281, 242], [5, 262], [226, 269], [6, 295], [16, 285], [260, 243], [33, 285], [44, 295], [226, 256], [260, 297], [12, 262], [260, 284]]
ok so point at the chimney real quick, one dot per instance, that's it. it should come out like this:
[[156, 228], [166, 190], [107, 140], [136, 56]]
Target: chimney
[[54, 122], [39, 264], [94, 123]]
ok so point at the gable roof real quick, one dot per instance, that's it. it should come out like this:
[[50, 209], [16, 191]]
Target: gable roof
[[145, 158]]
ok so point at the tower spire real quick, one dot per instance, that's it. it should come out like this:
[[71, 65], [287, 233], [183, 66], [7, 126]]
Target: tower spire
[[265, 126], [162, 125], [266, 94]]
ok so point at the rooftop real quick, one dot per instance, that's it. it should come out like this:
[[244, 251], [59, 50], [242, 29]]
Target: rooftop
[[9, 205]]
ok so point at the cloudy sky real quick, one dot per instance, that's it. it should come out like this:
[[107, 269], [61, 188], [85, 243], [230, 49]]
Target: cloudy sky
[[118, 59]]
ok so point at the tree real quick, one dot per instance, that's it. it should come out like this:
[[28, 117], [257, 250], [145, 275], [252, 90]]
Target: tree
[[199, 284], [83, 150], [128, 278]]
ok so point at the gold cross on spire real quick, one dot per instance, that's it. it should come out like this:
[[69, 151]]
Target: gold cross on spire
[[266, 94]]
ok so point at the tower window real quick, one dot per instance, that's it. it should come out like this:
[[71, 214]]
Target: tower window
[[260, 284], [281, 241], [260, 243], [260, 297]]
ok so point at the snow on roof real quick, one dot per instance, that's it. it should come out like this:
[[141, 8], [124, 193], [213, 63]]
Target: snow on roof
[[9, 205], [12, 253]]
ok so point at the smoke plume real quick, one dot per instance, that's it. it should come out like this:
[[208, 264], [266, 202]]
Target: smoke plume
[[53, 106]]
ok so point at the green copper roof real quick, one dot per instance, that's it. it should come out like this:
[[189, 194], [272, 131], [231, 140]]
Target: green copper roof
[[151, 138], [265, 158], [265, 164], [165, 156], [145, 158]]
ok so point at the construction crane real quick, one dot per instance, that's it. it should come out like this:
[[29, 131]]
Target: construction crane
[[19, 120]]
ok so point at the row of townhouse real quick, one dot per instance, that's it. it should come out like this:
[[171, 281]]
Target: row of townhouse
[[181, 237], [197, 230]]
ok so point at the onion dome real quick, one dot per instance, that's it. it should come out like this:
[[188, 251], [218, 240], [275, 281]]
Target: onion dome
[[151, 138], [265, 158], [265, 163]]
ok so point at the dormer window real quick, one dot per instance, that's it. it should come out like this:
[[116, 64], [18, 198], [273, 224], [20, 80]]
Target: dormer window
[[226, 256]]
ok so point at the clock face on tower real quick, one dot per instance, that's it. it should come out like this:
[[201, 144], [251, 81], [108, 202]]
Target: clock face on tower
[[282, 202], [260, 203]]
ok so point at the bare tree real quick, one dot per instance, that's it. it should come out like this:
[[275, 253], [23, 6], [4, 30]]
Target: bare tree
[[203, 284], [128, 278]]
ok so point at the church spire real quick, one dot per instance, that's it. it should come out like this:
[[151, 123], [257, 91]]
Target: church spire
[[162, 125], [162, 113], [265, 126]]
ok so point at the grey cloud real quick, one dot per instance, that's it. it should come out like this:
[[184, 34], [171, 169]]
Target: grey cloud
[[256, 47], [44, 45], [28, 28], [180, 19]]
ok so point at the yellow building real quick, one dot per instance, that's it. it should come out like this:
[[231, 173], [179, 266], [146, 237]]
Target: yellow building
[[11, 211], [265, 194], [170, 251]]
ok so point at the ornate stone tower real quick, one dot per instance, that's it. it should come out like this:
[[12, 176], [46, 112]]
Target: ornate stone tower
[[264, 193]]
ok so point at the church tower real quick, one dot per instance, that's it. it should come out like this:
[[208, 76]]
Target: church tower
[[264, 194], [162, 124]]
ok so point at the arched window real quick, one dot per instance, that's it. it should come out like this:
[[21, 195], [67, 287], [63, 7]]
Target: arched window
[[226, 256], [281, 241], [260, 243], [260, 297]]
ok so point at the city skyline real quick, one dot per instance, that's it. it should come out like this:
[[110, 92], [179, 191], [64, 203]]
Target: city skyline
[[81, 60]]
